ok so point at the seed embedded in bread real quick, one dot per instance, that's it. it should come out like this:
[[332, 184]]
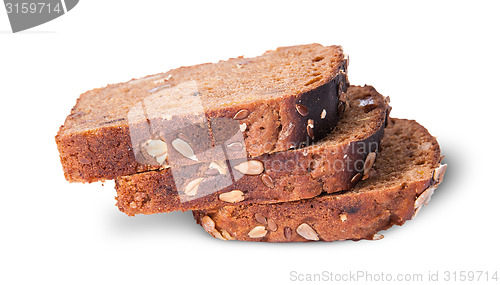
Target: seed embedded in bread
[[212, 172], [250, 167], [271, 225], [343, 217], [219, 167], [323, 114], [209, 225], [415, 212], [438, 173], [287, 232], [369, 161], [257, 232], [377, 237], [241, 114], [341, 107], [307, 232], [267, 180], [260, 218], [310, 128], [424, 198], [303, 111], [232, 197], [184, 148], [355, 179], [243, 127], [193, 186], [155, 147], [226, 235], [235, 146]]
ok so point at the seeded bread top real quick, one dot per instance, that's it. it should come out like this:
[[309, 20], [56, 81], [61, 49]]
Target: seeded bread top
[[287, 71]]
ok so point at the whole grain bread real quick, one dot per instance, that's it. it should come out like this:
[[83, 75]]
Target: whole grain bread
[[277, 101], [407, 170], [333, 164]]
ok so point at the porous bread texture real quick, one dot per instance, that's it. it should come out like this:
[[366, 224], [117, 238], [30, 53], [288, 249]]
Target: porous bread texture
[[326, 166], [95, 141], [407, 172]]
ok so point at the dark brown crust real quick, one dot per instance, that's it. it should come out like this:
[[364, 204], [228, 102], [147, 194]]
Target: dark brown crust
[[107, 152], [297, 174], [354, 215]]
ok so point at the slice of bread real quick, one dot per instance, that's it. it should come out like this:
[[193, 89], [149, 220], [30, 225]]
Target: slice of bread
[[333, 164], [407, 170], [276, 101]]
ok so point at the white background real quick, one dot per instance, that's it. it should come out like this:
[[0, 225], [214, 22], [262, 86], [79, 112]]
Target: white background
[[439, 62]]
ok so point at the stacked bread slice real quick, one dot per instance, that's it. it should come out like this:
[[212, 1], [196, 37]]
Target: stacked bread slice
[[275, 148]]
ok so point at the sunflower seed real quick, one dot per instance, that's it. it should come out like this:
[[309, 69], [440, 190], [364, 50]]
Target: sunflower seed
[[369, 161], [424, 198], [232, 197], [415, 213], [217, 166], [184, 148], [132, 205], [235, 146], [226, 235], [271, 225], [356, 178], [377, 237], [261, 219], [212, 172], [343, 217], [439, 173], [310, 128], [257, 232], [341, 107], [303, 111], [161, 159], [192, 187], [323, 114], [243, 127], [156, 147], [267, 180], [217, 234], [307, 232], [241, 114], [209, 226], [287, 232], [250, 167]]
